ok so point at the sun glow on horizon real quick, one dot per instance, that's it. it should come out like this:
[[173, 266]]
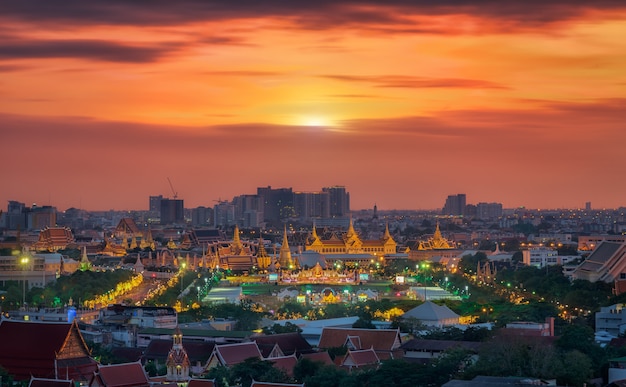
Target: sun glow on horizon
[[315, 121]]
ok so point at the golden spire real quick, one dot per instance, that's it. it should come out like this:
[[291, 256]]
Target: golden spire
[[263, 259], [437, 235], [284, 259], [387, 234], [236, 247], [285, 242], [351, 231]]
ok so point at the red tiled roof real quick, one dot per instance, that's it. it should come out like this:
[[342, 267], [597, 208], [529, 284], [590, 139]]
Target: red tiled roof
[[43, 382], [31, 348], [360, 358], [197, 351], [289, 343], [201, 383], [126, 374], [232, 354], [379, 339]]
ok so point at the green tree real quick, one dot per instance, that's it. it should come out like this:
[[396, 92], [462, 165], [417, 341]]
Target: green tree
[[277, 328], [306, 368], [576, 370], [328, 376], [257, 369], [221, 375]]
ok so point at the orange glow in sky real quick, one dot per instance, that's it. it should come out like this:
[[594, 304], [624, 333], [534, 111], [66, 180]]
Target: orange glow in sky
[[404, 104]]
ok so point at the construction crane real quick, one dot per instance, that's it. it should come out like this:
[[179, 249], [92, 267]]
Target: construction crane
[[172, 187]]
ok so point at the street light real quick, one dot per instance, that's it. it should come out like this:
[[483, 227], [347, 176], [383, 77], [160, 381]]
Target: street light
[[24, 262]]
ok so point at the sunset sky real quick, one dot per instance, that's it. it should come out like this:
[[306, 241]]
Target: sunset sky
[[404, 103]]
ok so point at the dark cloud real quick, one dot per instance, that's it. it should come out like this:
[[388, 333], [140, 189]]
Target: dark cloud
[[321, 14], [404, 81], [7, 68], [83, 48]]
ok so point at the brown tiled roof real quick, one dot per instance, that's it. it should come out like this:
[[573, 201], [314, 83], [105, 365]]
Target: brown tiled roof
[[128, 225], [284, 363], [43, 382], [289, 343], [196, 350], [31, 348], [379, 339], [361, 358], [126, 375], [54, 238], [232, 354], [322, 357]]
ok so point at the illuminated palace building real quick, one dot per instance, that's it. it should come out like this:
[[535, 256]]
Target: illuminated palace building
[[350, 250], [338, 251]]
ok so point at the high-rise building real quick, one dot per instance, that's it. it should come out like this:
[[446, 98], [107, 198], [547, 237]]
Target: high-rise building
[[42, 217], [16, 215], [154, 207], [224, 214], [488, 210], [339, 201], [201, 216], [277, 203], [455, 205], [172, 211], [309, 205]]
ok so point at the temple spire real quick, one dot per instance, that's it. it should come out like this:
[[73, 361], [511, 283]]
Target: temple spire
[[84, 261], [351, 231], [387, 233], [284, 259]]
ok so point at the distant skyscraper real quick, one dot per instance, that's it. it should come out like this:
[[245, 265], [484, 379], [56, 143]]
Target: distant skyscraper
[[277, 203], [455, 205], [201, 216], [488, 210], [309, 205], [154, 207], [588, 206], [16, 215], [172, 211], [339, 201], [42, 217], [224, 214]]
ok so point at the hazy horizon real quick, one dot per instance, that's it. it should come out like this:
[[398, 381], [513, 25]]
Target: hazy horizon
[[402, 103]]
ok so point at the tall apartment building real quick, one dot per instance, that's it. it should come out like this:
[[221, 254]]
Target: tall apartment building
[[308, 205], [172, 211], [248, 210], [488, 210], [201, 216], [277, 203], [40, 217], [339, 201], [224, 214], [155, 203], [15, 217], [455, 205]]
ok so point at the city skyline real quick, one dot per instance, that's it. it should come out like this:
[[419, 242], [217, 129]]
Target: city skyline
[[403, 104]]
